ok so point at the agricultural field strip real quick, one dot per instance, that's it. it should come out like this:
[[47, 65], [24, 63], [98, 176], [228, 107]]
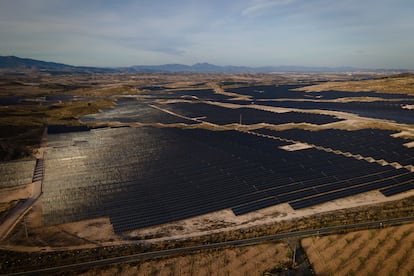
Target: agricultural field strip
[[237, 243]]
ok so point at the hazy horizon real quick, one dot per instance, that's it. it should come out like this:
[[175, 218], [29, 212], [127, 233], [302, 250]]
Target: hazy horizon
[[254, 33]]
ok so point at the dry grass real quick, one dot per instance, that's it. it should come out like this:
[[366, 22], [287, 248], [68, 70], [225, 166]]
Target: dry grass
[[387, 251], [22, 126], [5, 207], [62, 113], [249, 260], [404, 85]]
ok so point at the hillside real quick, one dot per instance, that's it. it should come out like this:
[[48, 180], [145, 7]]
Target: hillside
[[13, 63], [16, 64]]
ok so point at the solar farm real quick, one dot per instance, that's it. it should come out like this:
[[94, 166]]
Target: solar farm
[[170, 155]]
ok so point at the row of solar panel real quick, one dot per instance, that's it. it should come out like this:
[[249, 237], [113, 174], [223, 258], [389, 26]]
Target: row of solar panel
[[380, 110], [16, 173], [134, 111], [221, 115], [38, 171], [286, 92], [307, 196], [354, 190], [373, 143], [211, 171]]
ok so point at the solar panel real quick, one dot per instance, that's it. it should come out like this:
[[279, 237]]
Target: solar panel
[[253, 206], [137, 185], [398, 189]]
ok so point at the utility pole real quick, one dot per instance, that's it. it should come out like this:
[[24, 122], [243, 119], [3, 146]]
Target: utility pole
[[294, 257], [293, 244], [25, 228], [240, 122]]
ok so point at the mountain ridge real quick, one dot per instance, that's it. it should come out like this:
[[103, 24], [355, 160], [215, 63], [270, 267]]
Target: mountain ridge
[[17, 63]]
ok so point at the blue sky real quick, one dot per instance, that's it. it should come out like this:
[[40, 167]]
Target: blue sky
[[361, 33]]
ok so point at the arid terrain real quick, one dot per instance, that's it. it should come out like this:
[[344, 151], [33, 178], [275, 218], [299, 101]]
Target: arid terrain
[[85, 99], [249, 260], [387, 251]]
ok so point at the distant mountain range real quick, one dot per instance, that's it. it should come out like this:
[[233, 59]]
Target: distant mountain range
[[16, 64], [211, 68]]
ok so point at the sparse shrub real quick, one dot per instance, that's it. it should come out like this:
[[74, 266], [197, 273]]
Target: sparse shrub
[[405, 234], [362, 260], [351, 272], [372, 252], [400, 261]]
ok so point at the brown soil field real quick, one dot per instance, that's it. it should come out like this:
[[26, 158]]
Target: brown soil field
[[248, 260], [394, 84], [387, 251]]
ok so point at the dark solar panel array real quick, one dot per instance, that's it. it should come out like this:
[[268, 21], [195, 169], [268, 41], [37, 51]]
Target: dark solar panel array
[[353, 188], [398, 189], [38, 171], [163, 175], [15, 173], [130, 110], [203, 94], [221, 115], [375, 143], [55, 129], [269, 91], [286, 92], [380, 109]]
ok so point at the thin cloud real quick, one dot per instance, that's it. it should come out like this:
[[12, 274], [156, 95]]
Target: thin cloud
[[259, 7], [243, 32]]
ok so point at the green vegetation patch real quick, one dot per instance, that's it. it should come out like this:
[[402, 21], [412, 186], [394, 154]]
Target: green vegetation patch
[[58, 114], [17, 142], [21, 126]]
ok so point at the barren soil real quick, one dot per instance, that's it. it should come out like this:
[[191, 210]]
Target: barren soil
[[387, 251], [249, 260], [15, 193], [99, 232], [240, 261], [404, 85]]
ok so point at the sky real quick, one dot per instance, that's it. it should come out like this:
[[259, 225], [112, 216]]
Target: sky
[[359, 33]]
